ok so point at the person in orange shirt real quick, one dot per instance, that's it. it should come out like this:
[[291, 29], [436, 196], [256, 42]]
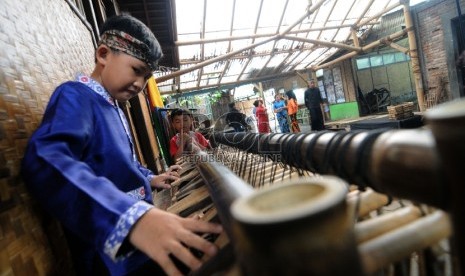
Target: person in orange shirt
[[292, 109]]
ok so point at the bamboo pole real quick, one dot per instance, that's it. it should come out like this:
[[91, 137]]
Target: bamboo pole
[[237, 83], [366, 48], [376, 16], [355, 37], [414, 56], [397, 47], [371, 228], [324, 43], [239, 37]]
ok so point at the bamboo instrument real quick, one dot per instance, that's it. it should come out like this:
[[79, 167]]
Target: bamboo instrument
[[422, 165]]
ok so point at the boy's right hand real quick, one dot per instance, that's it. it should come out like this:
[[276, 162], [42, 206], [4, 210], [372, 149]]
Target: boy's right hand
[[159, 234]]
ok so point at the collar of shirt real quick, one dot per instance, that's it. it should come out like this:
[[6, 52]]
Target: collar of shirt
[[97, 87]]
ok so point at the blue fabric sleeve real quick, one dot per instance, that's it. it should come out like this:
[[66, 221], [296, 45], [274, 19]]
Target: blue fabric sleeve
[[57, 168]]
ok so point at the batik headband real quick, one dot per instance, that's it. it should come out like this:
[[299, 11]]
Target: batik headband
[[121, 41]]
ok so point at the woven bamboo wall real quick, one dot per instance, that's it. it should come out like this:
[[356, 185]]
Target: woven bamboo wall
[[42, 43]]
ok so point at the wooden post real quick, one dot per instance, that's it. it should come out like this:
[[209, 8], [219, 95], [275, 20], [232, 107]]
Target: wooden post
[[414, 56]]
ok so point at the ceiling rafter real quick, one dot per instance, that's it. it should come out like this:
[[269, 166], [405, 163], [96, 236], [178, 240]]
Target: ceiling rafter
[[231, 30], [233, 53], [305, 35], [253, 40]]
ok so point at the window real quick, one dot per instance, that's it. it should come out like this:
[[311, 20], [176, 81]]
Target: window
[[376, 61], [400, 57], [363, 63], [380, 60], [388, 59]]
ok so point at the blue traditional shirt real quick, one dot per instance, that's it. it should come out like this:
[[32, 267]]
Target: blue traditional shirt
[[80, 164], [282, 113]]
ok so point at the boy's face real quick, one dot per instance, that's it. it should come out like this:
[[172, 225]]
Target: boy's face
[[182, 123], [122, 75]]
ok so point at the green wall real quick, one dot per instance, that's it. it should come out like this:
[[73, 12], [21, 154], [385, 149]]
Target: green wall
[[344, 111]]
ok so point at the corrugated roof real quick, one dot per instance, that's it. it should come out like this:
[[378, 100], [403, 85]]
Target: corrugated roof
[[213, 44]]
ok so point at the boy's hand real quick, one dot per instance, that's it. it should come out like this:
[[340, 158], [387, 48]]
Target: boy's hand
[[174, 168], [159, 234], [159, 181]]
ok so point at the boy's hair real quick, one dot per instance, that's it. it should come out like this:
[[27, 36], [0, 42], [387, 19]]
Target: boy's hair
[[141, 42], [179, 112], [255, 103]]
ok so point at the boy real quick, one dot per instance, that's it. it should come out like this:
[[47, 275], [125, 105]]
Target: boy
[[185, 139], [81, 165]]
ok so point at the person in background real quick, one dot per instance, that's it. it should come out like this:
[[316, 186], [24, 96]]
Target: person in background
[[236, 119], [280, 108], [261, 113], [292, 108], [80, 164], [186, 140], [313, 102]]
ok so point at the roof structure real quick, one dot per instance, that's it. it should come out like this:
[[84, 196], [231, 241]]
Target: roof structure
[[227, 43]]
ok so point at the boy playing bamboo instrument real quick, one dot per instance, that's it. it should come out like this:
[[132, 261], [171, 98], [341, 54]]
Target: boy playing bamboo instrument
[[81, 165]]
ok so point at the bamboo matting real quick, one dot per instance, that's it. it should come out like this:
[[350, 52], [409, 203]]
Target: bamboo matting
[[42, 44]]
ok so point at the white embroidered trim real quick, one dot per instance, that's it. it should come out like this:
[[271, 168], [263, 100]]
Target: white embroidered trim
[[120, 233]]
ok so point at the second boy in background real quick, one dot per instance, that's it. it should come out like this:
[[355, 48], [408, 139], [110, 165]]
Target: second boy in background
[[186, 140]]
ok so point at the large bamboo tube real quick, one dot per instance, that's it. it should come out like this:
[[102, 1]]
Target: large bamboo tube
[[398, 244], [447, 122], [406, 164], [224, 188], [297, 228]]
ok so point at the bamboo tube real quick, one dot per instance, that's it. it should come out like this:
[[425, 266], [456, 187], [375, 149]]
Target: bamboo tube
[[371, 228], [224, 188], [307, 230], [368, 201], [406, 164], [393, 246]]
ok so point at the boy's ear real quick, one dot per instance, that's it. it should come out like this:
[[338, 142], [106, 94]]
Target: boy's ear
[[101, 54]]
